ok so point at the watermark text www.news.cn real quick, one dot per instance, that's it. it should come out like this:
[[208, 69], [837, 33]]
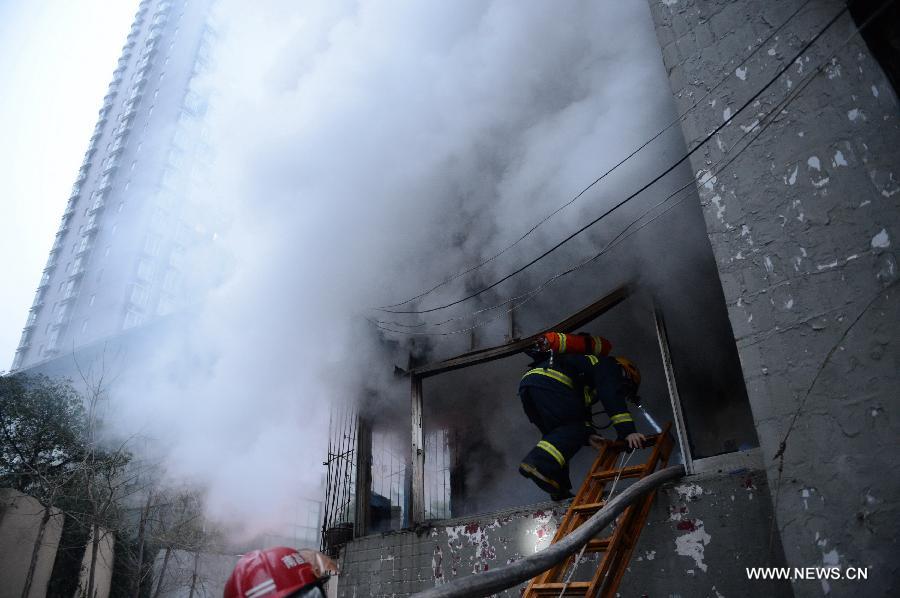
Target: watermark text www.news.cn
[[801, 573]]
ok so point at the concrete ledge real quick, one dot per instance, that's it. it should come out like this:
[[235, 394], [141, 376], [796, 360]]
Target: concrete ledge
[[701, 533]]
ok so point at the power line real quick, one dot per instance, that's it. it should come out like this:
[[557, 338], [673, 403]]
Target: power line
[[528, 296], [771, 116], [601, 177], [534, 291], [680, 161]]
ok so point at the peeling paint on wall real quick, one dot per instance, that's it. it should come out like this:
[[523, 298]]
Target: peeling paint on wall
[[437, 566], [474, 534], [881, 240], [693, 543], [751, 126], [838, 159], [543, 530], [843, 210], [689, 492], [682, 523], [792, 178]]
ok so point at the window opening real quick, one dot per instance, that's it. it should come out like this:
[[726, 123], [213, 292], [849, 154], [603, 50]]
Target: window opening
[[470, 403]]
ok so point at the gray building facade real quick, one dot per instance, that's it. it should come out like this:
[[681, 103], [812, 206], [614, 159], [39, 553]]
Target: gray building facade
[[803, 226], [116, 261]]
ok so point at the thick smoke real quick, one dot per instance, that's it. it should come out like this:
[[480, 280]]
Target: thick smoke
[[364, 151]]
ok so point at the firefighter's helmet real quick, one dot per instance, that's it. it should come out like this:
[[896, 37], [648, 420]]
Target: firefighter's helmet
[[630, 370], [275, 573]]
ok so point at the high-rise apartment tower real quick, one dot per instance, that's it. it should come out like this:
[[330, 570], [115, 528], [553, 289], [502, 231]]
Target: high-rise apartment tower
[[117, 260]]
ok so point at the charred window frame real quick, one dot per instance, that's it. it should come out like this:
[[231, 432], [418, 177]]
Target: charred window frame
[[418, 375], [413, 497], [686, 414]]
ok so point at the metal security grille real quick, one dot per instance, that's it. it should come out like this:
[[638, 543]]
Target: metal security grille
[[340, 501]]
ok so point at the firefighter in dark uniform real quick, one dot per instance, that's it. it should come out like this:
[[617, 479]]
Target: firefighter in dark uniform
[[558, 392]]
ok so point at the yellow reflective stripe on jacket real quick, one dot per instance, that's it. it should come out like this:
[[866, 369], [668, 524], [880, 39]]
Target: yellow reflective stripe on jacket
[[554, 452], [558, 376], [593, 359], [562, 342], [620, 418], [589, 396]]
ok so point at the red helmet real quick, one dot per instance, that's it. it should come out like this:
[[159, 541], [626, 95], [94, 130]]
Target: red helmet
[[272, 573]]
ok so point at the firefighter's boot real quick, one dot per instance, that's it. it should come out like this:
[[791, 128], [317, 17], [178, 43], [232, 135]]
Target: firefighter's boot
[[545, 466]]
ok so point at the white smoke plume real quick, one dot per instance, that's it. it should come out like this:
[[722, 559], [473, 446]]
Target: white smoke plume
[[364, 151]]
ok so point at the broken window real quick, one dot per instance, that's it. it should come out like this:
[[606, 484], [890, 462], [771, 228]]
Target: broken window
[[470, 432], [471, 404]]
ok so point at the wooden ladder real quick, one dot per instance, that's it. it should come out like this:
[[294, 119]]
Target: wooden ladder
[[616, 548]]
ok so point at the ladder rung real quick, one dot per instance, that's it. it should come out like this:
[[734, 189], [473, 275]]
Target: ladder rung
[[598, 545], [649, 441], [591, 506], [619, 546], [628, 472], [553, 589]]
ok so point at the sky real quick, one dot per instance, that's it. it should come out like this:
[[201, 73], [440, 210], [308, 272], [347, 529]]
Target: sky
[[56, 60]]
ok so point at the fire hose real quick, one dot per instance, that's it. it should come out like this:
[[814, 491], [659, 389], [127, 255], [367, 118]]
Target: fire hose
[[497, 580]]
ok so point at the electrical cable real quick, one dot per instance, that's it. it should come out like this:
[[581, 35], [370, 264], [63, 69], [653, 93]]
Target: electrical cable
[[621, 236], [609, 245], [612, 243], [605, 174], [773, 113], [647, 185], [527, 295]]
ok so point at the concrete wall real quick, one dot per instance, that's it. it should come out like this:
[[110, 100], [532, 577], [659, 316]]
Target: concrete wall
[[20, 520], [103, 570], [701, 533], [804, 228]]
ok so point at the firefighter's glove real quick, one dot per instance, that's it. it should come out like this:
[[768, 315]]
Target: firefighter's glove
[[635, 440]]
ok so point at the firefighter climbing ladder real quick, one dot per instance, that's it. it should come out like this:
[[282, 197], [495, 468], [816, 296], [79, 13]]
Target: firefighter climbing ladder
[[616, 548]]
